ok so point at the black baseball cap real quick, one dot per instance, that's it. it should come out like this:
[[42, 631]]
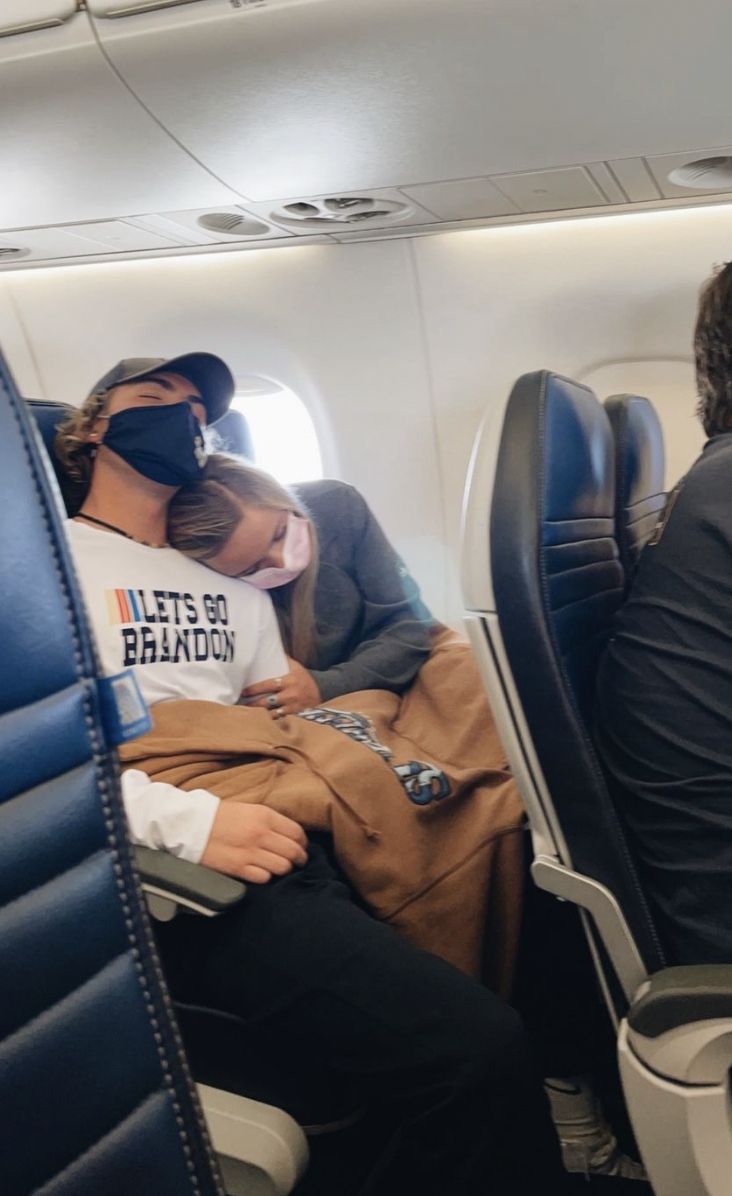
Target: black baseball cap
[[208, 373]]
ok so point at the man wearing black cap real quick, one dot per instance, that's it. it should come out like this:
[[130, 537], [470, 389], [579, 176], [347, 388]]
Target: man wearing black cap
[[183, 631], [313, 976]]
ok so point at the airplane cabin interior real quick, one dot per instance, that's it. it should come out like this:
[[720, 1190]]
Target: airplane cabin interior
[[451, 252]]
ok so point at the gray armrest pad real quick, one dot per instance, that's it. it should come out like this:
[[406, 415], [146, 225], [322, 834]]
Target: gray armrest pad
[[193, 882], [681, 996]]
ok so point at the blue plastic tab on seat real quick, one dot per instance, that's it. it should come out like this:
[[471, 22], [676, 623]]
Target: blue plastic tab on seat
[[124, 710]]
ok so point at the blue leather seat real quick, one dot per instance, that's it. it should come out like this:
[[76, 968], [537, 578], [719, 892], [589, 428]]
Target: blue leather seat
[[640, 463], [542, 581], [557, 581], [222, 1050], [95, 1093]]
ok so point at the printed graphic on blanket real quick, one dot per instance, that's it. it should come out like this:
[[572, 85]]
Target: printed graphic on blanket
[[422, 783]]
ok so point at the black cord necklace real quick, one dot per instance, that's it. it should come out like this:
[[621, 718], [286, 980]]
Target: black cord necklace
[[119, 530]]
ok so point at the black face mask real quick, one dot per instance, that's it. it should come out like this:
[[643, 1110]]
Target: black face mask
[[164, 444]]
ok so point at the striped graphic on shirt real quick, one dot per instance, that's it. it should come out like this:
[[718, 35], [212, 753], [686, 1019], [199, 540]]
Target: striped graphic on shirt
[[122, 606]]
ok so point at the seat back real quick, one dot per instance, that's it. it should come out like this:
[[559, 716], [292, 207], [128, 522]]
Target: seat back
[[640, 463], [94, 1089], [542, 581]]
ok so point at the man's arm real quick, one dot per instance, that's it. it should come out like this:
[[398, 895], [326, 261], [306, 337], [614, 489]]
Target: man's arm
[[166, 818], [252, 842]]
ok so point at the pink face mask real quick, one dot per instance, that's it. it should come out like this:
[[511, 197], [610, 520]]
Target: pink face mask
[[296, 554]]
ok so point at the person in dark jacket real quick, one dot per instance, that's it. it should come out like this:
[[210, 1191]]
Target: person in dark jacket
[[372, 630], [664, 698]]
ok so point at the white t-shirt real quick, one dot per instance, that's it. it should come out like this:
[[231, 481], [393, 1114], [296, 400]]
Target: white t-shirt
[[187, 632]]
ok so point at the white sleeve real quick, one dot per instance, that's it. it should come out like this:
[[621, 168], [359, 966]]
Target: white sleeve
[[269, 659], [166, 818]]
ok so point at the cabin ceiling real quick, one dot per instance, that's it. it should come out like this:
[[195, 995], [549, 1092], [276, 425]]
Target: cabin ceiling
[[155, 126]]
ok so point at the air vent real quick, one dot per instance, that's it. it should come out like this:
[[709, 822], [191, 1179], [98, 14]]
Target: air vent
[[301, 209], [714, 173], [232, 225], [11, 251], [339, 211]]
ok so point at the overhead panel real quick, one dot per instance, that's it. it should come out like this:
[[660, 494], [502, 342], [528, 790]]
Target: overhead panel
[[126, 8], [320, 97], [18, 16], [76, 241], [551, 190], [462, 199], [75, 145], [607, 182], [118, 236], [344, 212], [216, 225], [706, 172], [636, 179]]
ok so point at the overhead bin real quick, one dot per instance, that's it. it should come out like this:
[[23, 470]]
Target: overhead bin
[[20, 16], [75, 145], [127, 8], [290, 98]]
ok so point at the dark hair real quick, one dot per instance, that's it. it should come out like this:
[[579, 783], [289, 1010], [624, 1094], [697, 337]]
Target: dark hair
[[713, 352], [74, 451]]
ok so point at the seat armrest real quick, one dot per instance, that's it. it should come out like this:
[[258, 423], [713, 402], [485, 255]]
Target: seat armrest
[[680, 1025], [261, 1149], [680, 996], [166, 879]]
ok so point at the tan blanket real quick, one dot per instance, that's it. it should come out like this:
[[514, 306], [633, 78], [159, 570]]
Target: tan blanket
[[445, 870]]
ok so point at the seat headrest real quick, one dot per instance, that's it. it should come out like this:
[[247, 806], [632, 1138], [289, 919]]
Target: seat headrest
[[640, 453], [48, 416], [235, 436], [640, 464]]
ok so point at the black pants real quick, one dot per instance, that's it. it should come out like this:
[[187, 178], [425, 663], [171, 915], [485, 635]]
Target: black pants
[[449, 1060], [556, 990]]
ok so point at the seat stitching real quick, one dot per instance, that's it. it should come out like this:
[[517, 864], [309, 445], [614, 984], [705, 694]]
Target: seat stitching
[[103, 789]]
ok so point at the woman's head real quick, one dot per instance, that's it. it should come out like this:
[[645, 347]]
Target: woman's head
[[713, 352], [237, 520]]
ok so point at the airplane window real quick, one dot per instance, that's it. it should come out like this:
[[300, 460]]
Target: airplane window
[[284, 436]]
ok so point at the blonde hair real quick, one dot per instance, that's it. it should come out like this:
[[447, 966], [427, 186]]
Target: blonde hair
[[203, 516]]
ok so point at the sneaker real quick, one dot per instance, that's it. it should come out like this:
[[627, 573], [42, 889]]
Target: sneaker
[[588, 1144]]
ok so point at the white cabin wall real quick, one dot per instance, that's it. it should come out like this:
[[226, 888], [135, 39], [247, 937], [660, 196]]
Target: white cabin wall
[[337, 325], [568, 296], [399, 347], [17, 348]]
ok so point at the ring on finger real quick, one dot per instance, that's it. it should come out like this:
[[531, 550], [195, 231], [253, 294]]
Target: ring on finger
[[272, 702]]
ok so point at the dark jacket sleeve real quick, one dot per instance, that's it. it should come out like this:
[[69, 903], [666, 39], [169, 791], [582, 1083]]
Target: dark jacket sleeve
[[391, 638]]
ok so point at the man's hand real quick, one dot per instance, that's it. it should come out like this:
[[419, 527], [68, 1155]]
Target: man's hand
[[254, 843], [294, 691]]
